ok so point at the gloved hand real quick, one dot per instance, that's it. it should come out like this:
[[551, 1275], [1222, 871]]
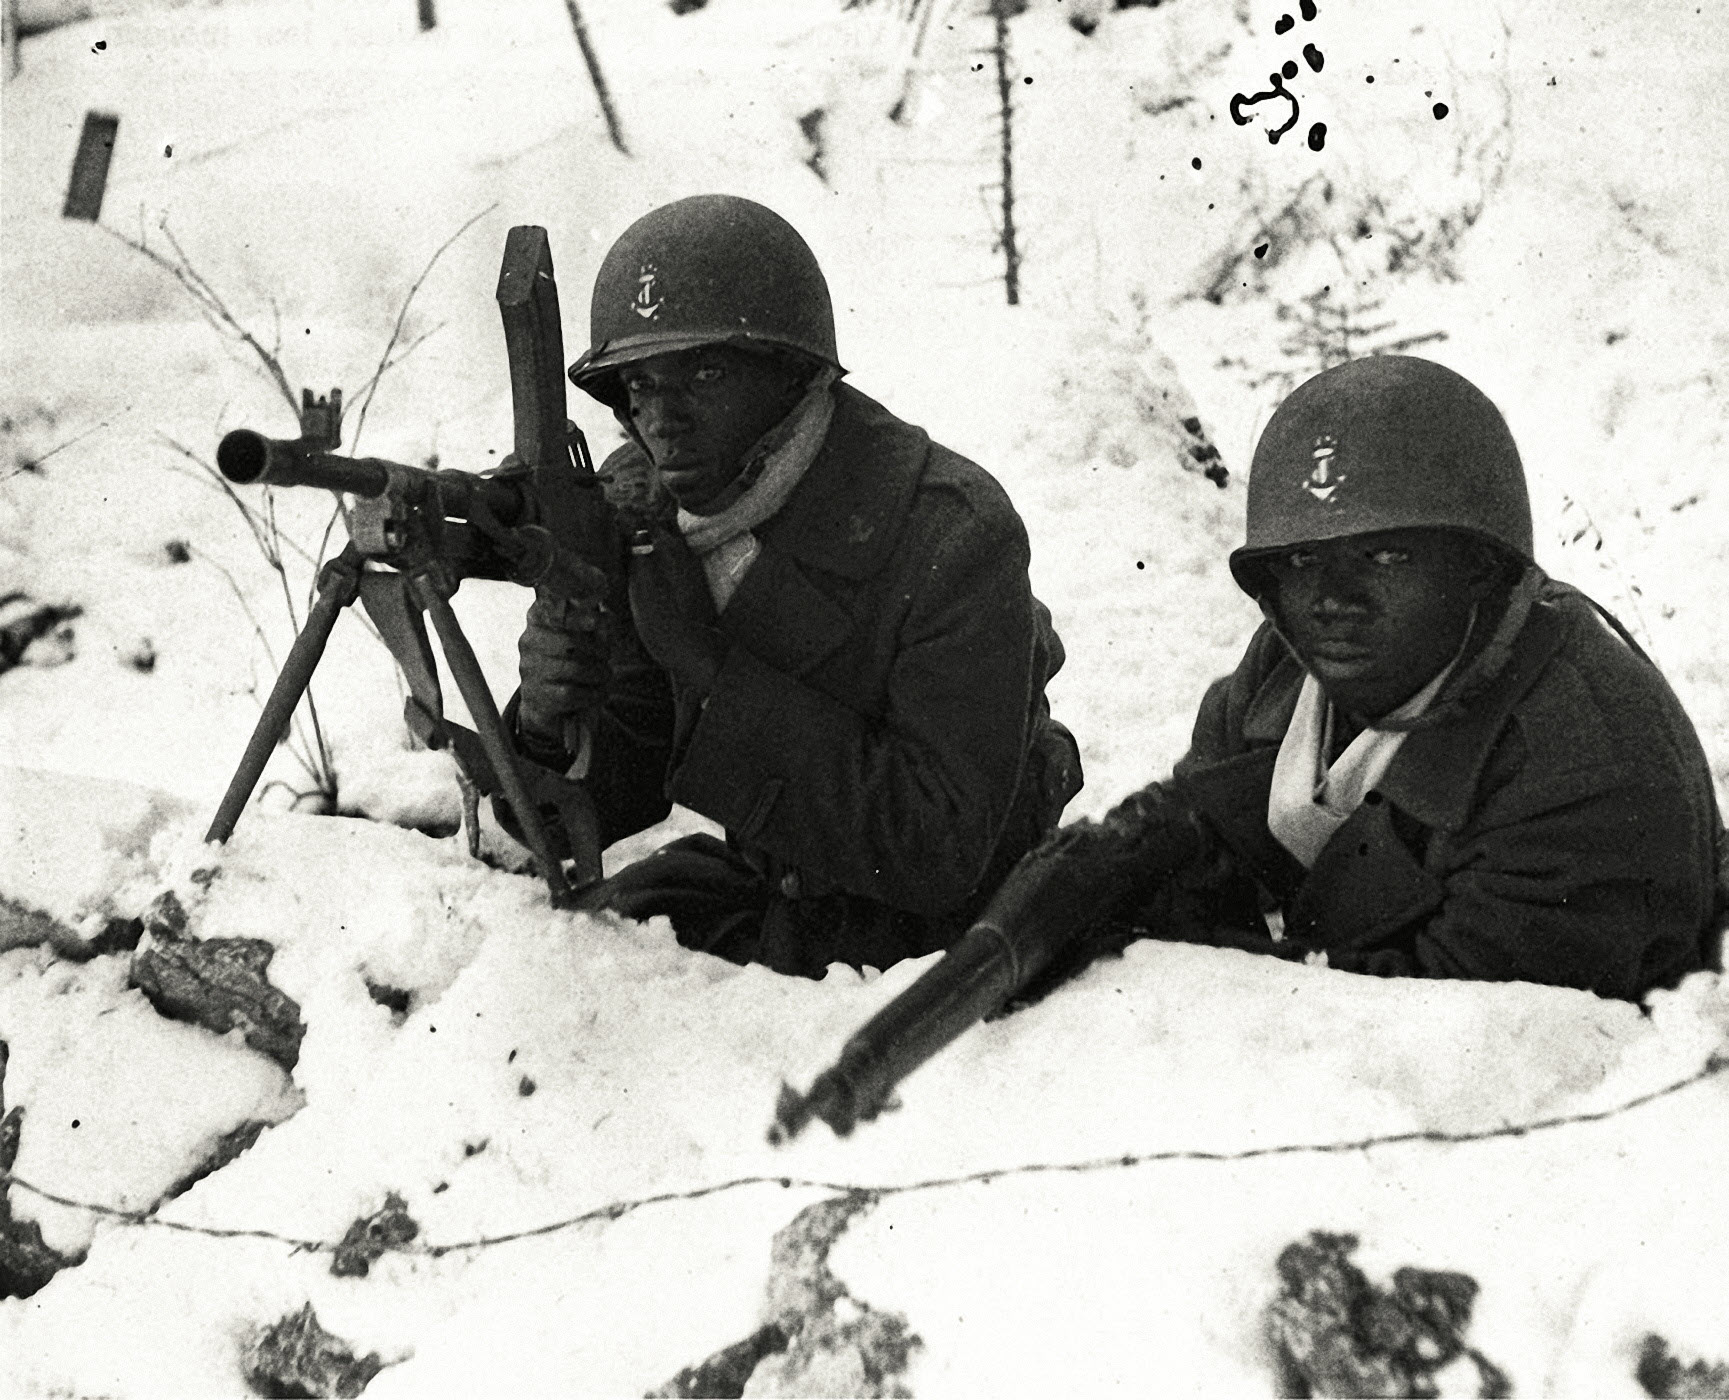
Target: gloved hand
[[673, 610], [564, 672]]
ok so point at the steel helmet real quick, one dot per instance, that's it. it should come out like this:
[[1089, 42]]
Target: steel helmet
[[707, 269], [1390, 442]]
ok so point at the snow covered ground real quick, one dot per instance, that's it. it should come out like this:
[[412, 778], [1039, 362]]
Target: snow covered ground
[[1553, 236]]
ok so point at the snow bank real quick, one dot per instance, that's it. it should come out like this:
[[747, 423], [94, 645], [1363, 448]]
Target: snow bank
[[546, 1066]]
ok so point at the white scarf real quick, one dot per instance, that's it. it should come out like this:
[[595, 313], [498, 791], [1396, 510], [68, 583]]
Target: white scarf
[[724, 542], [1310, 800]]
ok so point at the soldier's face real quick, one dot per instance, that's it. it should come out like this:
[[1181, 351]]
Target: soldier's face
[[1375, 617], [698, 412]]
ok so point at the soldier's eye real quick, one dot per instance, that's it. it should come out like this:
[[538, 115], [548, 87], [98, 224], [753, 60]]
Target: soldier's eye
[[708, 374], [1301, 558], [1389, 558], [636, 383]]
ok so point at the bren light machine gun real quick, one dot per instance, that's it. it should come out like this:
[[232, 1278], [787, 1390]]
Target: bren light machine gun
[[541, 519]]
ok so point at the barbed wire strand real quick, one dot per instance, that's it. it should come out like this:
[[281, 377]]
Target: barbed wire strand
[[1717, 1064]]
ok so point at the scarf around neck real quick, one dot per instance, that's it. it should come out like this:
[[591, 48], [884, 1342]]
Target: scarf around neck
[[725, 543]]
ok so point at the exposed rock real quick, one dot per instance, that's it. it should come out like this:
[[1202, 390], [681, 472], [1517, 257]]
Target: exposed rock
[[1338, 1334], [166, 917], [394, 999], [367, 1238], [297, 1358], [818, 1339], [117, 935], [723, 1375], [24, 622], [22, 926], [26, 1262], [227, 1147], [217, 983], [1663, 1376]]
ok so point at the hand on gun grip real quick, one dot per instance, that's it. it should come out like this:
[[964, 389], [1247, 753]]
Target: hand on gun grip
[[564, 668], [673, 610]]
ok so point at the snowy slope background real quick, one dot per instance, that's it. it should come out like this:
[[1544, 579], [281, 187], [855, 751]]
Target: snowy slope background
[[1552, 236]]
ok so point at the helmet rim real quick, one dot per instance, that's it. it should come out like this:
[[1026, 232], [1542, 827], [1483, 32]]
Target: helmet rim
[[1388, 442], [705, 270]]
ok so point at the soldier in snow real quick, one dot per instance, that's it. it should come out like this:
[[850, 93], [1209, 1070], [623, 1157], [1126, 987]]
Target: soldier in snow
[[1433, 759], [830, 647]]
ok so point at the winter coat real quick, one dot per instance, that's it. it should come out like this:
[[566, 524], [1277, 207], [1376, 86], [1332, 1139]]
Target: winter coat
[[877, 745], [1557, 823]]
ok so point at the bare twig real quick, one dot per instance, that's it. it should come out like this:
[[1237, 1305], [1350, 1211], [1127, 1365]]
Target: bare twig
[[33, 463], [210, 304], [384, 360], [298, 746]]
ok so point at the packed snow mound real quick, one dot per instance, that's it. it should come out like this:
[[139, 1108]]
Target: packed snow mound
[[504, 1067], [77, 849]]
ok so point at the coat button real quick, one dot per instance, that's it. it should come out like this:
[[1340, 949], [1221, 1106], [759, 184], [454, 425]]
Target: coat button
[[790, 885]]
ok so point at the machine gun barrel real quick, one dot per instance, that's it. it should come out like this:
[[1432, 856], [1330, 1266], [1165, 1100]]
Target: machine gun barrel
[[248, 458]]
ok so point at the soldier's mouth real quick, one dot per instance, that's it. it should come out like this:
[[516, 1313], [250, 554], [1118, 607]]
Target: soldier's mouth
[[1340, 649]]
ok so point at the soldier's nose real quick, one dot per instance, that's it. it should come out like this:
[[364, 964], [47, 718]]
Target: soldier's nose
[[1335, 600]]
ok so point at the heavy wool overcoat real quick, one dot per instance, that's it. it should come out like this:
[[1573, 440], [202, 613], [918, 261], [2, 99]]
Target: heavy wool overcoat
[[1558, 823], [877, 746]]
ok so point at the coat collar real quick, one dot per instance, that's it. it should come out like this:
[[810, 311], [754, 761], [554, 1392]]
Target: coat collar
[[1435, 775], [846, 516]]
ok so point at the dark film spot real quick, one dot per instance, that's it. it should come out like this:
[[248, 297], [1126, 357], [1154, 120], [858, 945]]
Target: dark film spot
[[1308, 8], [1313, 57], [1317, 136], [1440, 110], [1261, 252], [1283, 24], [1289, 67], [1196, 162]]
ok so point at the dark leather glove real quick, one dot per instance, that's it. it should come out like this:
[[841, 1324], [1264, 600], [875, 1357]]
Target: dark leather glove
[[674, 611], [564, 671]]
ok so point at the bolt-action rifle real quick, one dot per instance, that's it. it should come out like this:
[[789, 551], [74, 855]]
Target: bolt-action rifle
[[1078, 876], [541, 519]]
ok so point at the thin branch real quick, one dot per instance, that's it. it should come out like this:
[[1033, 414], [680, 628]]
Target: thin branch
[[36, 462], [384, 360], [209, 302], [302, 754], [389, 364]]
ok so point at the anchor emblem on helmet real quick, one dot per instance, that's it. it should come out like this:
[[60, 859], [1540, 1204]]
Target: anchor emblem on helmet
[[646, 304], [1326, 477]]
